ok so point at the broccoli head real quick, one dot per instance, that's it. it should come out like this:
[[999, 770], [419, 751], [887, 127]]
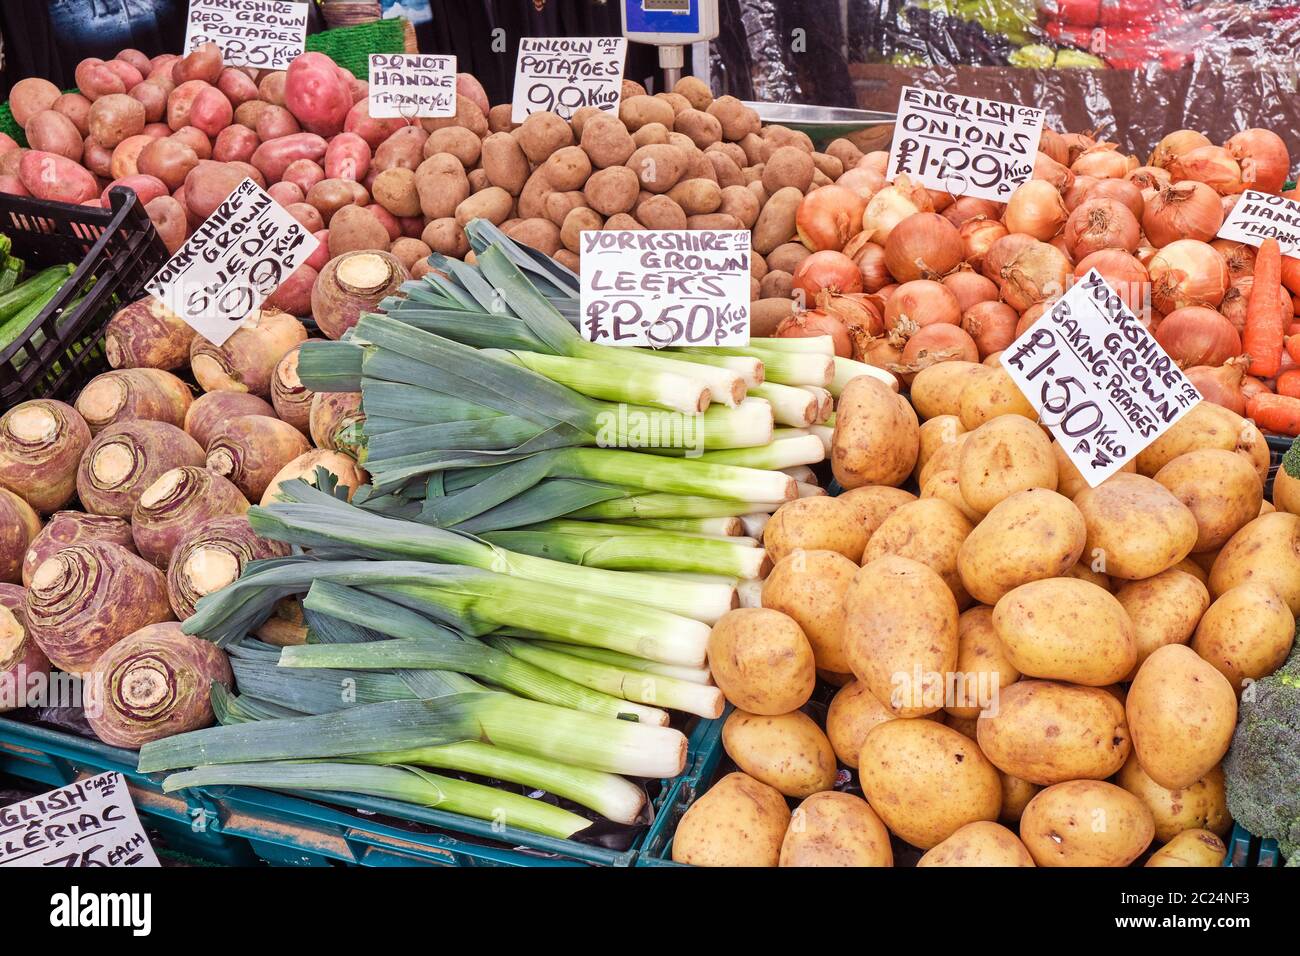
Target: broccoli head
[[1262, 767], [1291, 460]]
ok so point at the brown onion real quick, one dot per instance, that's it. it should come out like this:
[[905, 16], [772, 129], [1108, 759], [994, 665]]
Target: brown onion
[[1122, 191], [1145, 254], [1198, 336], [1265, 162], [1059, 242], [1185, 210], [967, 208], [1149, 177], [1039, 271], [870, 260], [815, 322], [1221, 384], [877, 161], [881, 351], [1003, 251], [1032, 315], [919, 303], [1123, 273], [1101, 224], [938, 343], [1049, 170], [885, 210], [1076, 144], [1104, 161], [1078, 190], [1212, 165], [992, 325], [1036, 209], [829, 270], [1053, 144], [924, 245], [860, 313], [970, 287], [1175, 144], [1187, 272], [864, 182], [829, 217], [977, 237], [1236, 301]]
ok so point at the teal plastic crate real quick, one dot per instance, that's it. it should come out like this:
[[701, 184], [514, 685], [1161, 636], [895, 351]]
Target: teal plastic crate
[[244, 825], [676, 799], [1246, 849]]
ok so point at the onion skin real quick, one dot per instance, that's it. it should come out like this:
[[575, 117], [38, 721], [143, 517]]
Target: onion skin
[[863, 182], [177, 502], [1212, 165], [1101, 223], [1175, 144], [1185, 210], [1032, 315], [1037, 273], [209, 411], [922, 246], [1104, 161], [41, 445], [827, 270], [938, 343], [336, 419], [1036, 209], [228, 543], [153, 684], [131, 395], [20, 655], [870, 260], [1149, 178], [886, 209], [919, 303], [1078, 191], [1054, 145], [1264, 159], [68, 528], [977, 238], [1049, 170], [1220, 385], [860, 313], [1187, 272], [19, 526], [1123, 273], [1122, 191], [147, 334], [125, 459], [1239, 257], [1198, 336], [966, 208], [246, 361], [337, 304], [970, 288], [1003, 251], [289, 396], [1077, 144], [249, 450], [343, 468], [88, 597], [815, 322], [829, 217], [991, 325]]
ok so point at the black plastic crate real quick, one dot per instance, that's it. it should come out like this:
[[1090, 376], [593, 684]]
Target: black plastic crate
[[118, 251]]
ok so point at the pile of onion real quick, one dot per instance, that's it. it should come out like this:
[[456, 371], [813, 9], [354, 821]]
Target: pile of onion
[[827, 270], [1185, 210], [919, 303], [1187, 272], [1104, 161], [1198, 336], [1101, 223], [1039, 271], [977, 237], [1174, 145], [1212, 165], [815, 322], [829, 217], [1036, 209], [991, 325], [922, 246]]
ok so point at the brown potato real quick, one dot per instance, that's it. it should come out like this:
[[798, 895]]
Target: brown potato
[[1137, 525], [835, 829], [983, 669], [395, 190], [1202, 805], [739, 822], [776, 223], [946, 486], [1016, 794], [946, 457], [442, 185], [1220, 488], [989, 396], [660, 212], [738, 120], [607, 142], [658, 166], [1267, 551], [1005, 455], [877, 436], [456, 140], [1164, 610], [612, 190], [1086, 823], [928, 530], [786, 751], [788, 166], [579, 219], [761, 661], [1190, 848], [982, 843], [1069, 480], [1029, 536], [935, 433], [1246, 634], [505, 163], [1207, 425], [493, 204], [1066, 629], [819, 523], [809, 587], [854, 711]]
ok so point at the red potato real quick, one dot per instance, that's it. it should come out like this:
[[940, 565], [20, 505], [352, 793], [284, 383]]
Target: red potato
[[152, 95], [412, 226], [114, 118], [347, 157], [8, 144], [148, 188], [360, 194], [405, 149], [9, 161], [271, 87], [55, 133], [181, 102], [157, 130], [248, 113], [97, 157], [235, 143], [286, 194], [386, 219], [163, 65], [373, 131], [208, 184], [211, 112], [316, 95], [168, 217], [468, 86], [303, 173], [237, 86], [308, 215], [195, 139], [76, 108], [250, 171], [94, 79], [331, 195], [294, 294], [12, 185], [204, 64], [321, 256], [130, 75], [31, 96], [274, 156], [137, 59], [169, 159], [50, 176], [276, 121], [126, 156]]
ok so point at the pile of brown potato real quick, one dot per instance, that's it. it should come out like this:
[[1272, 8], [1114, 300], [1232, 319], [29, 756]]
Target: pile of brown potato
[[1029, 671]]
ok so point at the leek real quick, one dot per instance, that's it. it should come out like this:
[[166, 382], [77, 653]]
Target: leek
[[817, 344], [698, 675], [790, 405], [729, 525], [780, 366], [616, 383], [848, 369]]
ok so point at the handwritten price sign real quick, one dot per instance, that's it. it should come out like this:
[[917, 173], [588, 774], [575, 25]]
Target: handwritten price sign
[[564, 74], [88, 823], [267, 34]]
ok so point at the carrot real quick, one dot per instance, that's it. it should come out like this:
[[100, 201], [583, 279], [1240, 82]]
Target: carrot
[[1293, 329], [1263, 336], [1293, 347], [1290, 273], [1276, 413], [1288, 383]]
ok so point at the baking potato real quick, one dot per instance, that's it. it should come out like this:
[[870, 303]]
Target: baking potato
[[1069, 480], [1286, 492], [660, 212], [395, 190], [1003, 456], [946, 486], [1029, 536], [991, 395], [982, 843], [1016, 794], [1066, 629], [819, 523], [786, 751], [1201, 805], [1137, 525], [872, 504], [658, 166], [53, 132], [1164, 610], [1181, 714], [835, 829], [1190, 848], [761, 661], [1086, 823], [945, 457], [776, 222], [1207, 425], [493, 204], [737, 119], [442, 185], [877, 436], [1246, 634], [1045, 732], [900, 634], [928, 530], [853, 712], [739, 822], [935, 433], [927, 781], [606, 142], [1267, 551], [983, 669], [1220, 488], [788, 166], [612, 190], [809, 586]]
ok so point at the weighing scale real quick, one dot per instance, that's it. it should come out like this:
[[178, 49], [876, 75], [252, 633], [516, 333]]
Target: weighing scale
[[672, 25]]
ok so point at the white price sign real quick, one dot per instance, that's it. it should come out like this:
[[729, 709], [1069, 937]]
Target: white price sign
[[1098, 379], [1258, 216], [412, 85], [267, 34], [964, 145], [88, 823], [564, 74], [233, 262], [666, 287]]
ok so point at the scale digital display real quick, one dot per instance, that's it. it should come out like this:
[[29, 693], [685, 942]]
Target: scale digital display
[[661, 17]]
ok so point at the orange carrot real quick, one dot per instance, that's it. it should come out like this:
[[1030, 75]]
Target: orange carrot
[[1264, 335], [1293, 329], [1276, 413], [1288, 383], [1293, 347], [1290, 273]]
